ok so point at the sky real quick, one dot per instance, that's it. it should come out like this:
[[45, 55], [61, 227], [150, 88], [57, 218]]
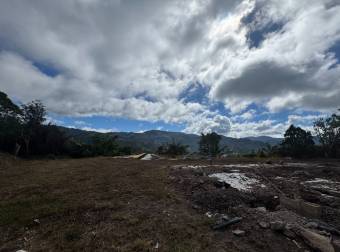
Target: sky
[[239, 68]]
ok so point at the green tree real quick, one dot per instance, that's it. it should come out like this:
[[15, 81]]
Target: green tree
[[33, 115], [105, 146], [297, 142], [209, 144], [173, 149], [10, 125], [328, 132]]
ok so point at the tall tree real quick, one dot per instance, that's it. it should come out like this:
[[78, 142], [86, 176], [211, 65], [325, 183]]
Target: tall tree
[[297, 142], [34, 114], [209, 144], [328, 132], [10, 126]]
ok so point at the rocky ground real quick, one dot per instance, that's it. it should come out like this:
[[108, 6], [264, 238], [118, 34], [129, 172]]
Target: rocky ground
[[106, 204]]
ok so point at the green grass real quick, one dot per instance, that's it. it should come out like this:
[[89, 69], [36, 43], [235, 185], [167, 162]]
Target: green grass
[[23, 212]]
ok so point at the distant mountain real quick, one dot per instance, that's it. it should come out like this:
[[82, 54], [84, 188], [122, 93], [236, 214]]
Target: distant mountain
[[149, 141], [266, 139]]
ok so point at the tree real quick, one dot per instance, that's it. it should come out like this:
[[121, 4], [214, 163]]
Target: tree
[[328, 132], [172, 149], [105, 146], [297, 142], [10, 126], [209, 144], [33, 115]]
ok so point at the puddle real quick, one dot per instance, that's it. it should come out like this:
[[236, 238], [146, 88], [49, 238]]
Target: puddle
[[236, 180]]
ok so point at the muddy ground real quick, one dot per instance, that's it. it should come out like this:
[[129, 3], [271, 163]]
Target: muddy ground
[[106, 204]]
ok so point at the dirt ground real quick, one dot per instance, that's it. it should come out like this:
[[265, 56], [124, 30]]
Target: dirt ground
[[107, 204]]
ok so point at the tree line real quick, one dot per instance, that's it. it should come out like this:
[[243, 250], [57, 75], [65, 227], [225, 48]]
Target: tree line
[[297, 142], [24, 132]]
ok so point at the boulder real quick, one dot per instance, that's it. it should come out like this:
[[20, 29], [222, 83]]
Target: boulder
[[277, 226], [316, 241]]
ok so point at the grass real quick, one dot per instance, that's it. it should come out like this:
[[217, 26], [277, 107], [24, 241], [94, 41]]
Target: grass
[[95, 204], [23, 212]]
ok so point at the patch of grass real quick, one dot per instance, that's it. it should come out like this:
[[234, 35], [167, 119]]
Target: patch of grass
[[72, 235], [23, 212], [141, 245]]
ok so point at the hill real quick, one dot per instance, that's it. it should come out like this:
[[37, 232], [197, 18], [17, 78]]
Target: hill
[[151, 140], [266, 139]]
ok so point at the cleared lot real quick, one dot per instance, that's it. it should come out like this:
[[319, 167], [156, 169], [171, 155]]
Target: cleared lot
[[131, 205]]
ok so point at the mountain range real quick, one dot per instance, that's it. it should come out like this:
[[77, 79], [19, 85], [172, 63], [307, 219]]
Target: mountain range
[[149, 141]]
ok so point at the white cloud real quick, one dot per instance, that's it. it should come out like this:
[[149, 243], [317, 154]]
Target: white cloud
[[101, 130], [134, 59]]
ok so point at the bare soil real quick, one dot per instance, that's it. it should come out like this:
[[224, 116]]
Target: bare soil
[[107, 204]]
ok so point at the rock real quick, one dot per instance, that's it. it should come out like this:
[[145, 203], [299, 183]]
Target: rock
[[196, 207], [264, 225], [198, 172], [239, 232], [278, 226], [316, 241], [261, 209], [36, 221], [312, 224], [221, 184], [336, 245], [224, 217], [300, 173], [226, 224], [289, 231]]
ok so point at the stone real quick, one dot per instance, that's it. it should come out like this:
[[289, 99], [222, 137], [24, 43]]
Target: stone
[[221, 184], [310, 210], [336, 245], [239, 232], [289, 233], [226, 224], [316, 241], [312, 224], [264, 225], [278, 226], [261, 209]]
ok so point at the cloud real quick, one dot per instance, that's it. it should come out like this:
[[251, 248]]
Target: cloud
[[219, 124], [101, 130], [136, 59], [292, 65]]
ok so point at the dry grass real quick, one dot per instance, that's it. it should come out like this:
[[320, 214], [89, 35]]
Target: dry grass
[[94, 205]]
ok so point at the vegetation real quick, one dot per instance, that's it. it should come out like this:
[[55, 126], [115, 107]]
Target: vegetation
[[328, 132], [297, 143], [209, 144], [23, 132], [173, 149]]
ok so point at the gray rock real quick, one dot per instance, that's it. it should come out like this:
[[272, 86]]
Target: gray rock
[[312, 224], [316, 241], [239, 232], [264, 225], [278, 226], [261, 209]]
